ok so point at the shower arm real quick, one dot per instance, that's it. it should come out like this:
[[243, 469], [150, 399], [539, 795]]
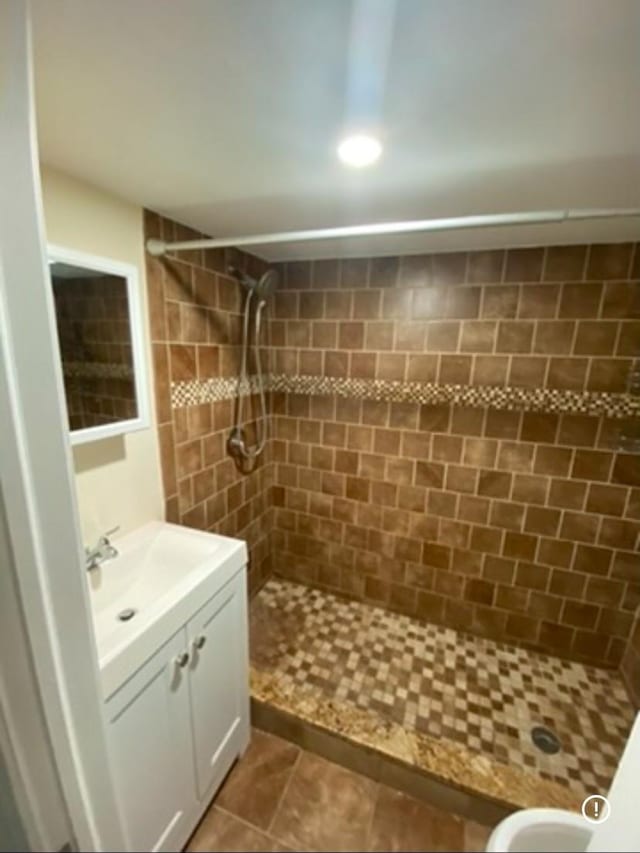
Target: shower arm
[[159, 247]]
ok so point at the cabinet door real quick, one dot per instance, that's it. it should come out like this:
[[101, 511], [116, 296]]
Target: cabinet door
[[219, 684], [150, 744]]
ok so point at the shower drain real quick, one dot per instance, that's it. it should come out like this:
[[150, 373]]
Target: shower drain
[[126, 614], [546, 740]]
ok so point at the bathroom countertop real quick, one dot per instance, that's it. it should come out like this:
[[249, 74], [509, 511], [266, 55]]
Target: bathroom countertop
[[444, 760]]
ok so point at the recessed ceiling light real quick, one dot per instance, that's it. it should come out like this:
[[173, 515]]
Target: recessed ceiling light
[[359, 150]]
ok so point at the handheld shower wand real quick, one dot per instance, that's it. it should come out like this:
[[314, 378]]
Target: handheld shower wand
[[259, 289]]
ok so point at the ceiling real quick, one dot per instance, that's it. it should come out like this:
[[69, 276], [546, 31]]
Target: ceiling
[[225, 114]]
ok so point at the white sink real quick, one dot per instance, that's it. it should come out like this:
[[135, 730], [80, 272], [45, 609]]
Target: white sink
[[163, 572]]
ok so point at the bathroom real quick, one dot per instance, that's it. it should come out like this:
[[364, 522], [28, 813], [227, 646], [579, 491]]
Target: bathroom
[[320, 481]]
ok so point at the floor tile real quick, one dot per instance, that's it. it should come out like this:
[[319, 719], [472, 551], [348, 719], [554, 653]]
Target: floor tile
[[482, 695], [475, 837], [254, 787], [325, 807], [220, 831], [402, 823]]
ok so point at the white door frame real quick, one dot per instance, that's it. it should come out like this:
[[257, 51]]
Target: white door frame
[[36, 474], [24, 740]]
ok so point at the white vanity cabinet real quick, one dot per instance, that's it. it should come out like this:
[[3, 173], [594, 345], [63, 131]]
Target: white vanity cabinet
[[178, 723], [218, 685], [150, 744]]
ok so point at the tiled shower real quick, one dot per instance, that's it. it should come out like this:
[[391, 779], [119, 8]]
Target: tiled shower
[[451, 441]]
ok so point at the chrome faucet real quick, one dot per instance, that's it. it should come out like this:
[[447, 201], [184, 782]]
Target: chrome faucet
[[101, 552]]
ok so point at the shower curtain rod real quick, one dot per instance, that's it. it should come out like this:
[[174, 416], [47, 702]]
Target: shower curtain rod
[[454, 223]]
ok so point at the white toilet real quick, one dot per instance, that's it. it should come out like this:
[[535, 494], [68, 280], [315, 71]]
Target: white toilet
[[541, 830]]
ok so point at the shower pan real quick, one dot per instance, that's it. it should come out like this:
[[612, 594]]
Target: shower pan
[[258, 292]]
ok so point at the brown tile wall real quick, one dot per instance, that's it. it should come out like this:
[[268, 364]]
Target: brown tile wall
[[519, 526], [195, 330], [564, 317]]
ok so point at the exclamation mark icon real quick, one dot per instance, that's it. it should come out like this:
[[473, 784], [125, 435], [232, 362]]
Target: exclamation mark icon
[[596, 809]]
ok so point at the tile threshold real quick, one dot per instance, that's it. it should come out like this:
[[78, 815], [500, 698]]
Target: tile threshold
[[438, 770]]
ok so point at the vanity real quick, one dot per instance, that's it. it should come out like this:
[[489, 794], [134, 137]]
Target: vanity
[[168, 603], [170, 620]]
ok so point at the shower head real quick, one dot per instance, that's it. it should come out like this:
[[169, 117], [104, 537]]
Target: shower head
[[266, 284], [262, 287]]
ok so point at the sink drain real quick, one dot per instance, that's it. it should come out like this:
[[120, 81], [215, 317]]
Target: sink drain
[[546, 740], [126, 614]]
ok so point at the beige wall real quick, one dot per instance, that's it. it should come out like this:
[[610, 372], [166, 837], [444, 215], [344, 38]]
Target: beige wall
[[118, 479]]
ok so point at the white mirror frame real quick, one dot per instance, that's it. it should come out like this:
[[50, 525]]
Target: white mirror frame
[[136, 327]]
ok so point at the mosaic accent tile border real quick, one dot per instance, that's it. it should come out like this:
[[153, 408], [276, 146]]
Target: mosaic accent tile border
[[595, 403], [196, 391], [96, 370], [475, 396]]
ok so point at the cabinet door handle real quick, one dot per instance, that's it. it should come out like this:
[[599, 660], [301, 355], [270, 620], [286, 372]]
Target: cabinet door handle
[[199, 641], [183, 659]]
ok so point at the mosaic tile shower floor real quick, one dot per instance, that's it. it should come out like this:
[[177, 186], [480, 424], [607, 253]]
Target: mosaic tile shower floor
[[482, 695]]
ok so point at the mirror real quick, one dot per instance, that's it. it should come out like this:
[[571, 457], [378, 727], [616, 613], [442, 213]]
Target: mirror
[[101, 339]]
